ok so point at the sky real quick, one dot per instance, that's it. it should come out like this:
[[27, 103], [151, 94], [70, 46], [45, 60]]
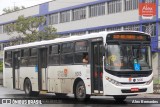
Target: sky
[[25, 3]]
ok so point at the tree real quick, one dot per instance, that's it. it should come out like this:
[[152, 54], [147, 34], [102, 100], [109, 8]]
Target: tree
[[10, 10], [47, 33], [28, 29]]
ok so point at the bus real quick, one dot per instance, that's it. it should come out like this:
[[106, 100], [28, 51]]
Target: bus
[[119, 65]]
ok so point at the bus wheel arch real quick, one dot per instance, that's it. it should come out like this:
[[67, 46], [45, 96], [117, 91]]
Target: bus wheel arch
[[80, 83], [27, 86]]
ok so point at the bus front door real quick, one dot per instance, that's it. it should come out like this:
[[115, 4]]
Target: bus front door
[[97, 67], [16, 72], [42, 69]]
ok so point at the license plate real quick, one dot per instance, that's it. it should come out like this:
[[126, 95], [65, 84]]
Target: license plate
[[134, 89]]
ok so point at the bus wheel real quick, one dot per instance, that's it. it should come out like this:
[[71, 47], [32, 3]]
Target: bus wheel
[[28, 88], [80, 92], [119, 98]]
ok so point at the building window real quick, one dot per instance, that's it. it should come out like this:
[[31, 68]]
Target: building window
[[132, 27], [64, 16], [131, 4], [149, 28], [95, 31], [53, 19], [1, 29], [97, 10], [78, 14], [78, 33], [114, 6], [114, 29]]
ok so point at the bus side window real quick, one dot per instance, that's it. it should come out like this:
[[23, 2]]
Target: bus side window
[[67, 53], [8, 59], [33, 57], [54, 57], [24, 57], [81, 52]]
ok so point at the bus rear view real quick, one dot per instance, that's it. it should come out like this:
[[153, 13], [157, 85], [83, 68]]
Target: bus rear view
[[127, 65]]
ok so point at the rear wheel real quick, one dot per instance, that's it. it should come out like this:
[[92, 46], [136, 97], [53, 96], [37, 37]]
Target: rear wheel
[[28, 88], [80, 92], [119, 98]]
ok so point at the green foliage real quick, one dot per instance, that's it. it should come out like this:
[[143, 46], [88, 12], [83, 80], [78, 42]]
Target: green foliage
[[10, 10], [28, 29], [48, 33], [1, 66]]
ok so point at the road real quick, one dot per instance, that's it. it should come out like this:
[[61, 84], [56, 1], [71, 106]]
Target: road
[[69, 101]]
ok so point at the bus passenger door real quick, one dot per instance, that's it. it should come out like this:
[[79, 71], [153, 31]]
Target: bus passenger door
[[42, 69], [97, 67], [16, 72]]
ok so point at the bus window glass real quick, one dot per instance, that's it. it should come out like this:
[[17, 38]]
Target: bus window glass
[[81, 46], [66, 58], [8, 59], [33, 52], [67, 47], [24, 57], [123, 57], [54, 55], [54, 49], [81, 50]]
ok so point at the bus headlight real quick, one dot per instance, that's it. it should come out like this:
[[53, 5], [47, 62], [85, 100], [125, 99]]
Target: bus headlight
[[148, 82], [113, 81]]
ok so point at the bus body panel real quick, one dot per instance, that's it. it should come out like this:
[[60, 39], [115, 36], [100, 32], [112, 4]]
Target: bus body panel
[[8, 78], [112, 89], [62, 81], [29, 72]]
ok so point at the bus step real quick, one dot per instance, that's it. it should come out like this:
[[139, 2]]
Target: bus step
[[43, 92], [97, 94]]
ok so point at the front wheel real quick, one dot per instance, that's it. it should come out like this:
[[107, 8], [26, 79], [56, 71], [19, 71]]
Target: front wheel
[[119, 98], [80, 93]]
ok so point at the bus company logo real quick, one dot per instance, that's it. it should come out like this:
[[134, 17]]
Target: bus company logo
[[65, 72], [147, 10], [134, 80], [130, 79]]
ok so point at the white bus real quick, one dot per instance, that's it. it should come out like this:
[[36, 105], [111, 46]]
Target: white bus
[[119, 65]]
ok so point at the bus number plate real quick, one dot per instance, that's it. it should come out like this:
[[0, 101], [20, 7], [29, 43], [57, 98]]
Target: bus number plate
[[134, 89]]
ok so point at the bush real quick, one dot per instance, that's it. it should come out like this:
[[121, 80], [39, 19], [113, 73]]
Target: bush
[[1, 66]]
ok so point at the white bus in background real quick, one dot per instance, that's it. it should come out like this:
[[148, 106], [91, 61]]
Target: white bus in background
[[119, 65]]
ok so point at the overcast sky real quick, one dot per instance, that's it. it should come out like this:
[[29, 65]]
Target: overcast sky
[[25, 3]]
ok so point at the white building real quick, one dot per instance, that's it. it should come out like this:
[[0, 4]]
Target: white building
[[77, 17]]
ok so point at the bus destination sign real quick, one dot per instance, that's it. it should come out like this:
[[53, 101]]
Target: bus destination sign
[[129, 37]]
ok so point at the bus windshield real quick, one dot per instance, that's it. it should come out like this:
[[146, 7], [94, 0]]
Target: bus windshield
[[128, 57]]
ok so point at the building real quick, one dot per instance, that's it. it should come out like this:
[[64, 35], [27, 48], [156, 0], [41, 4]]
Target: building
[[77, 17]]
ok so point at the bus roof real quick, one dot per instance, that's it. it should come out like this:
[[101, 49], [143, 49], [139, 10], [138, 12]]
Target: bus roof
[[65, 39]]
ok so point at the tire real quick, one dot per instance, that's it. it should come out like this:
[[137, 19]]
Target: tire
[[28, 89], [120, 98], [80, 92]]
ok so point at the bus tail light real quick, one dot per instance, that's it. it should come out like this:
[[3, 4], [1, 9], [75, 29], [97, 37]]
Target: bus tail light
[[113, 81]]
